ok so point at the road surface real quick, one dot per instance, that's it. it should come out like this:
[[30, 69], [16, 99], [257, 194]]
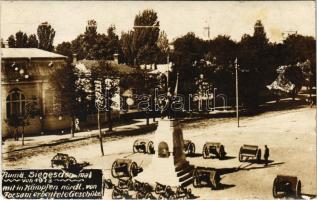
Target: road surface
[[290, 135]]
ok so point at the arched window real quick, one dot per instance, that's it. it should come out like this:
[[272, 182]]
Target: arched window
[[15, 103]]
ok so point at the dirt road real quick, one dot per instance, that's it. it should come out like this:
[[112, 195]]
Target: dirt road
[[290, 135]]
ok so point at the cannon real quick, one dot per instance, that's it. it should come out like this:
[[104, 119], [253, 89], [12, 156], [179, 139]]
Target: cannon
[[167, 193], [144, 190], [206, 177], [160, 188], [144, 146], [189, 147], [141, 186], [125, 183], [214, 148], [125, 168], [107, 184], [286, 186], [63, 159], [249, 151], [182, 192], [120, 194]]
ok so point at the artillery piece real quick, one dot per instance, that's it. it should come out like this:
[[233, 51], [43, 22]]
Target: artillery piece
[[206, 176], [125, 168], [214, 148], [182, 192], [285, 186], [189, 147], [63, 159], [144, 190], [144, 146], [166, 193], [249, 151], [107, 184], [125, 183], [120, 194]]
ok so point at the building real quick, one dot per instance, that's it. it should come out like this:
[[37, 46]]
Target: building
[[25, 78]]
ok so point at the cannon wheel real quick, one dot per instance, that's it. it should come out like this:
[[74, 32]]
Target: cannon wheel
[[72, 161], [191, 148], [298, 189], [161, 196], [274, 191], [133, 169], [149, 196], [134, 147], [139, 195], [205, 152], [157, 190], [130, 184], [150, 147], [195, 182], [113, 195], [258, 155], [113, 173], [240, 155], [173, 196]]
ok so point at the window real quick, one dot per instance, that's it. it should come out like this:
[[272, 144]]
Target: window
[[15, 103], [53, 102]]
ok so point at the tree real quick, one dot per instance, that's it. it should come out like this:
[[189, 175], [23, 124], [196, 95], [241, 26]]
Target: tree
[[188, 50], [23, 120], [46, 36], [11, 41], [163, 45], [144, 37], [2, 43], [32, 41], [65, 48], [63, 81], [255, 66], [21, 40], [129, 52]]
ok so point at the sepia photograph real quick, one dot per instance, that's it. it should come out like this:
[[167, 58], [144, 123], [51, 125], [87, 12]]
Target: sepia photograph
[[158, 100]]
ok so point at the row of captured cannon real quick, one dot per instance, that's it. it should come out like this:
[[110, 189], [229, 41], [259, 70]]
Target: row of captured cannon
[[125, 169], [210, 150], [145, 190]]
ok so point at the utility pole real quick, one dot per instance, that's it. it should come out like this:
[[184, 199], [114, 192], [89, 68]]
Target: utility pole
[[237, 91], [208, 30]]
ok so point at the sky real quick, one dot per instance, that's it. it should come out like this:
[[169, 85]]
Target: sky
[[69, 19]]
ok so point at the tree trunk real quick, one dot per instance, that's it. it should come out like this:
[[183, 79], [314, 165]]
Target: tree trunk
[[23, 135], [109, 119], [147, 118], [100, 133], [72, 124]]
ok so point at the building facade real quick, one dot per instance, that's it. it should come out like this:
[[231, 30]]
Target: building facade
[[25, 80]]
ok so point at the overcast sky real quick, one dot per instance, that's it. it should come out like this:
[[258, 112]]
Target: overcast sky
[[176, 18]]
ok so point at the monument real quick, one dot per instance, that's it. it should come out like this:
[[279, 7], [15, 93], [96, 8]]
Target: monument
[[169, 165]]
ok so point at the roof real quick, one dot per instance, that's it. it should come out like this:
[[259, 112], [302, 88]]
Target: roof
[[121, 68], [28, 53]]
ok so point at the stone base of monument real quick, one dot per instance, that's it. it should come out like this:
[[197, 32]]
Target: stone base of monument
[[169, 165]]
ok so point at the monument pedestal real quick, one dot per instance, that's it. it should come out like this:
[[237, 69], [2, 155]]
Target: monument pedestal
[[169, 165]]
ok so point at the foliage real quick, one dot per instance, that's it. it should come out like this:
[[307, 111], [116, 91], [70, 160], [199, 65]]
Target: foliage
[[46, 36], [21, 40], [11, 41], [32, 41]]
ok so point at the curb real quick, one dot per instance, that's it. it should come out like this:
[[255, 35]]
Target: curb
[[139, 131]]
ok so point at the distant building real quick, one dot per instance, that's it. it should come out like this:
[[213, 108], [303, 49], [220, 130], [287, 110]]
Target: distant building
[[25, 78]]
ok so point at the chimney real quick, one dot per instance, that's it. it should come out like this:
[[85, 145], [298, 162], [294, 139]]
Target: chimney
[[6, 44], [74, 58], [116, 58]]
